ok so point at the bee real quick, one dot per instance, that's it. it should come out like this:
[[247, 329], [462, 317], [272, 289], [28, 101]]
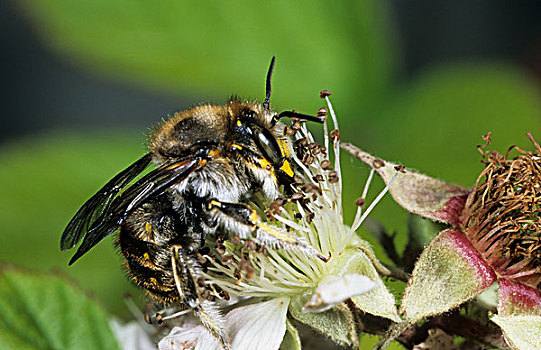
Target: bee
[[210, 162]]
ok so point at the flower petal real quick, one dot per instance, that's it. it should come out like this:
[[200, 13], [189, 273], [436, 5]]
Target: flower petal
[[183, 338], [449, 272], [256, 326], [333, 290], [522, 332], [131, 336], [415, 192]]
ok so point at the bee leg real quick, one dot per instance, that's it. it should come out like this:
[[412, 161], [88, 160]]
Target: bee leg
[[243, 220], [206, 311]]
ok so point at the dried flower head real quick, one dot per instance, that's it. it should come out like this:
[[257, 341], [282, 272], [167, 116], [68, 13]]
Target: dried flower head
[[502, 214]]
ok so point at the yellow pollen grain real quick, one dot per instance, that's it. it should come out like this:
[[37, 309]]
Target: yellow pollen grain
[[146, 256]]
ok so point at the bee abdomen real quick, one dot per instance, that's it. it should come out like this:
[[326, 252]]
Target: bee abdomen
[[148, 265]]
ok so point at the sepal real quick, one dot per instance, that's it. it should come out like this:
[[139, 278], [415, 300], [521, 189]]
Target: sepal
[[415, 192], [519, 315], [378, 301], [337, 323], [449, 272]]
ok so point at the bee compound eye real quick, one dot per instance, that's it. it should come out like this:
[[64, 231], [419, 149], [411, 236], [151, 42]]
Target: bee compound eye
[[268, 145]]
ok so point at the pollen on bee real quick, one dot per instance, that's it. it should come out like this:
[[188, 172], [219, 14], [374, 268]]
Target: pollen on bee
[[146, 256], [148, 227]]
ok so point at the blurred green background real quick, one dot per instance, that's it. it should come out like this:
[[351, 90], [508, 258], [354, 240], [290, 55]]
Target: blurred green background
[[84, 81]]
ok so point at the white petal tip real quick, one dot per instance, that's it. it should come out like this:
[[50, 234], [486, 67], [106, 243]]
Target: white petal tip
[[334, 290]]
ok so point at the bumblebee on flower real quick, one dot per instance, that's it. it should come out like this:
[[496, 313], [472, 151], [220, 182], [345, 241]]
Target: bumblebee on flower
[[280, 287]]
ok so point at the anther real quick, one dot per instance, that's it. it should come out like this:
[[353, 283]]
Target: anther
[[333, 177], [400, 168], [326, 165], [296, 196], [227, 259], [324, 93], [307, 159], [378, 163], [302, 142], [224, 295], [322, 113], [335, 135], [237, 274], [318, 178], [359, 202]]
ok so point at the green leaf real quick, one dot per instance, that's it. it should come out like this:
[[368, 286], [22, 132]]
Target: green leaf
[[435, 123], [422, 231], [43, 311], [368, 341], [225, 47], [47, 178], [337, 323]]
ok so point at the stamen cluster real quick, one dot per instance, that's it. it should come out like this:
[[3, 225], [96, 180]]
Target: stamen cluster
[[502, 214]]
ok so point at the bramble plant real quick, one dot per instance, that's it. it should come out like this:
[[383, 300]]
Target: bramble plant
[[492, 237], [489, 236]]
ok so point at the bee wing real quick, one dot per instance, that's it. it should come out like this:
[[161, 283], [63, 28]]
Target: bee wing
[[99, 202], [122, 205]]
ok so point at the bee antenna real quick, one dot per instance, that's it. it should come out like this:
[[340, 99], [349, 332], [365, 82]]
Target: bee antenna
[[293, 114], [268, 84]]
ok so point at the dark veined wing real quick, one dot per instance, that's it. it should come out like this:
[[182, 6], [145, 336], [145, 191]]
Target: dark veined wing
[[98, 203], [149, 185]]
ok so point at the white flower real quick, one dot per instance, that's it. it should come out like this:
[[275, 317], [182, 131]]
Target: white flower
[[297, 280], [132, 335]]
